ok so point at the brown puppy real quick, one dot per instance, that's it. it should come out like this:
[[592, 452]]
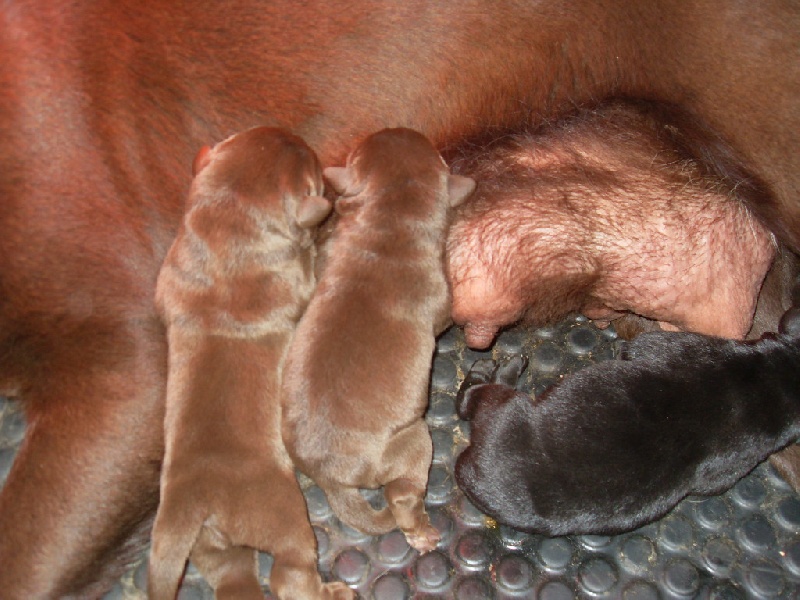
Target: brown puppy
[[356, 377], [231, 290]]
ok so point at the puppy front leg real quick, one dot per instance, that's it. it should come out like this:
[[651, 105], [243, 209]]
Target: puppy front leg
[[412, 452]]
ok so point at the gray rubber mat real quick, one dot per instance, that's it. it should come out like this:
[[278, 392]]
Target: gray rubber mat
[[744, 544]]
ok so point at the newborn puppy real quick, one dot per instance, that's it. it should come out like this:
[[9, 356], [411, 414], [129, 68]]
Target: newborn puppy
[[356, 377], [230, 292], [619, 444]]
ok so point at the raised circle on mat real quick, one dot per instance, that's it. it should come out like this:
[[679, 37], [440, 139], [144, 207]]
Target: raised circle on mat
[[764, 578], [675, 533], [582, 340], [351, 566], [392, 548], [555, 553], [391, 586], [719, 555], [472, 550], [640, 590], [749, 492], [681, 577], [472, 588], [713, 513], [432, 570], [555, 590], [597, 576], [788, 514], [756, 534], [514, 573], [594, 542], [638, 554]]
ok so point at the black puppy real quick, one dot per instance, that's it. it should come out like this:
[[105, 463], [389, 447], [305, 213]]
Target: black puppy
[[620, 444]]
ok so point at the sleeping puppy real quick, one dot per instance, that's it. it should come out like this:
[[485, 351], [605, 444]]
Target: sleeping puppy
[[356, 377], [619, 444], [230, 292]]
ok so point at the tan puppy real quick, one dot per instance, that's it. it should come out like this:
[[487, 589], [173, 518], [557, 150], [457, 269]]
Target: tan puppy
[[231, 290], [356, 378]]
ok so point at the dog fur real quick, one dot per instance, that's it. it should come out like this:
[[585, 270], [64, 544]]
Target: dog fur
[[356, 377], [231, 291], [103, 103], [619, 444]]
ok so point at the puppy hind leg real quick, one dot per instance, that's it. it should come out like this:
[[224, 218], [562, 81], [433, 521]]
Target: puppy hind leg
[[405, 494], [175, 533], [293, 547], [353, 509], [230, 570]]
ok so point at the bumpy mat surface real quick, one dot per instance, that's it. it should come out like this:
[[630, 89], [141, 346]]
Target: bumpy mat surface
[[744, 544]]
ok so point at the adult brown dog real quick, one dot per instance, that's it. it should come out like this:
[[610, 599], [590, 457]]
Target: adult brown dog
[[356, 375], [103, 103], [231, 290]]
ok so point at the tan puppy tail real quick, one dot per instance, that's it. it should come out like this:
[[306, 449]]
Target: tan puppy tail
[[172, 542], [354, 510]]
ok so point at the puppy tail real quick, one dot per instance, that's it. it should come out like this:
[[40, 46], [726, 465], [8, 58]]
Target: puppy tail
[[172, 542], [354, 510]]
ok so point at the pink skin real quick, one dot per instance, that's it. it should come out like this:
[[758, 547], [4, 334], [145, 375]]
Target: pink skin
[[567, 222]]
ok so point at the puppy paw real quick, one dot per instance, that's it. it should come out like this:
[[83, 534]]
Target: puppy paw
[[480, 372], [509, 369], [423, 539], [336, 590]]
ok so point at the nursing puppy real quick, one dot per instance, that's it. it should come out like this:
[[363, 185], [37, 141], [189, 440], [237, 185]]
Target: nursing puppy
[[619, 444], [356, 377], [231, 291]]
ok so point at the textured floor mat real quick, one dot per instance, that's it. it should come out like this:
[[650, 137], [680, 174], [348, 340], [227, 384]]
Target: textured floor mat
[[744, 544]]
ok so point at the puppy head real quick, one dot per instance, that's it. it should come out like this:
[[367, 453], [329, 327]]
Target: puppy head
[[393, 158], [268, 169]]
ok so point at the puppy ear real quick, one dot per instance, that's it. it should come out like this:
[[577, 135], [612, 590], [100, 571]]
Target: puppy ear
[[338, 178], [201, 160], [313, 210], [459, 188]]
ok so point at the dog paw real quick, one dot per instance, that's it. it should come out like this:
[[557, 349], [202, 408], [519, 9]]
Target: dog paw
[[509, 369], [336, 590], [424, 539], [480, 372]]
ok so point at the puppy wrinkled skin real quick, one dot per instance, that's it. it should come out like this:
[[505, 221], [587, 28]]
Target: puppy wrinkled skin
[[231, 290], [356, 377], [619, 444]]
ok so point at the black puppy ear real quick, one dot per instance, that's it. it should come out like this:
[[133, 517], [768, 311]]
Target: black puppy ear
[[313, 210]]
